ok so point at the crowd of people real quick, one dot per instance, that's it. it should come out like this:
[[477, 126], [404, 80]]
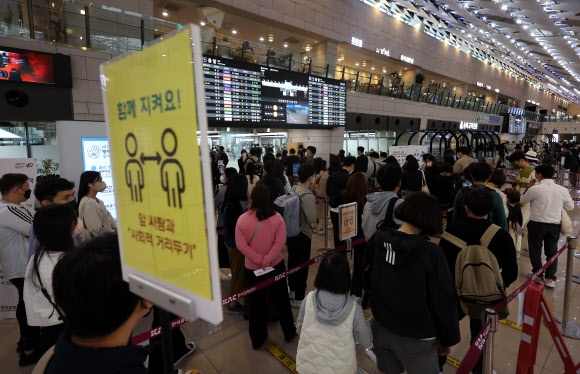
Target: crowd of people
[[64, 258]]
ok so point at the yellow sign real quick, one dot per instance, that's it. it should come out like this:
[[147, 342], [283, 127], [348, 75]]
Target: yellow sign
[[347, 221], [152, 117]]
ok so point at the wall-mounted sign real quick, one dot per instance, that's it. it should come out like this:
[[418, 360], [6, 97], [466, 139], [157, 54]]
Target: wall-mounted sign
[[407, 59], [383, 51], [468, 125], [486, 119], [356, 41], [488, 87]]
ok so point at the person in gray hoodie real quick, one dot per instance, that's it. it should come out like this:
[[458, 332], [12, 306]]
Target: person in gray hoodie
[[389, 178], [327, 320]]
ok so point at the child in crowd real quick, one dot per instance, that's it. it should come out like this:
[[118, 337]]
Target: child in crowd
[[327, 320], [515, 218]]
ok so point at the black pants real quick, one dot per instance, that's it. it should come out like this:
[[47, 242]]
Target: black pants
[[358, 268], [548, 234], [334, 220], [257, 306], [475, 327], [298, 252], [29, 335], [156, 355], [223, 256], [48, 337]]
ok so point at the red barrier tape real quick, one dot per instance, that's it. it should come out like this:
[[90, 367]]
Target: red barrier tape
[[245, 292], [478, 345]]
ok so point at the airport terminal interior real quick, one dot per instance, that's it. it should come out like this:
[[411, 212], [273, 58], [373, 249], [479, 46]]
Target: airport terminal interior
[[393, 76]]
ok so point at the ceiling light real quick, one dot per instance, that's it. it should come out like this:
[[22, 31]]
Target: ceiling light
[[525, 27], [373, 68], [270, 37], [356, 64], [234, 31], [261, 38], [364, 62], [504, 7], [307, 47], [82, 11], [518, 21], [202, 23], [165, 13], [285, 45]]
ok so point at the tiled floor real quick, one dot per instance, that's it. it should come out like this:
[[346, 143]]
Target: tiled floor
[[229, 351]]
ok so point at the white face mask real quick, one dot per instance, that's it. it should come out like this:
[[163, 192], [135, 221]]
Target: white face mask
[[243, 156], [100, 186], [78, 228], [223, 179], [429, 164]]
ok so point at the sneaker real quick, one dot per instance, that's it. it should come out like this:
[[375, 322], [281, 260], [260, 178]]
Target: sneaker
[[31, 359], [190, 348], [550, 283], [236, 309], [297, 304], [291, 295]]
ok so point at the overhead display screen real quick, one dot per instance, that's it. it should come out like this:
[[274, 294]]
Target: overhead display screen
[[327, 101], [248, 93], [232, 91], [30, 67]]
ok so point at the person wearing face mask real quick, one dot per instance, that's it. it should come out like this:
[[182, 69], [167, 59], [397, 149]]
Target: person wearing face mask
[[299, 246], [92, 211], [57, 191], [15, 222], [55, 226], [242, 161]]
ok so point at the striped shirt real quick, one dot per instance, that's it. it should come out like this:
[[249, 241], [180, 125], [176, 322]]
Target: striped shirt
[[526, 175], [15, 223]]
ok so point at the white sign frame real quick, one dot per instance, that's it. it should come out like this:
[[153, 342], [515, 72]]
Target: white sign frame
[[181, 302], [348, 212]]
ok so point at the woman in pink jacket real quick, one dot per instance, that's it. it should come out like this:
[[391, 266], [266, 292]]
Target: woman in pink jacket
[[260, 236]]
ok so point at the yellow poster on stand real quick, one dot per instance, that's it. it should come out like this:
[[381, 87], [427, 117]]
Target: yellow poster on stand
[[154, 108]]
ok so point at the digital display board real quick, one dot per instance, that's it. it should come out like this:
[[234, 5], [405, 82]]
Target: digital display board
[[248, 93], [327, 100], [30, 67], [96, 157], [232, 90]]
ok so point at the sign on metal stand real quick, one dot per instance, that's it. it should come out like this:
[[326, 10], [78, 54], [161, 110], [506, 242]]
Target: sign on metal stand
[[155, 111], [347, 225]]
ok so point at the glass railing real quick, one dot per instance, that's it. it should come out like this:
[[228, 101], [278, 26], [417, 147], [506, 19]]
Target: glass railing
[[115, 30]]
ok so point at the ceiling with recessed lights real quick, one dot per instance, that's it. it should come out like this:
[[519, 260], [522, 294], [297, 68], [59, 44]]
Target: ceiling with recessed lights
[[535, 40]]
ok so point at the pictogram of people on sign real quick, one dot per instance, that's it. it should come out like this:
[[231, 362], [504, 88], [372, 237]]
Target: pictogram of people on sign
[[171, 171]]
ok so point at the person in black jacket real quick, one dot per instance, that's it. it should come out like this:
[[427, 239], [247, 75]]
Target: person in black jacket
[[479, 203], [290, 161], [269, 156], [242, 161], [336, 192], [362, 161], [414, 303], [570, 162], [273, 179]]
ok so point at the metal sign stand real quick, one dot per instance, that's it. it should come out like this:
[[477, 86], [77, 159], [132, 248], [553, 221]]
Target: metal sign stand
[[325, 249], [167, 347], [348, 225]]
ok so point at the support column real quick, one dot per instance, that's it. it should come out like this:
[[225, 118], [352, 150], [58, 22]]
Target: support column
[[323, 54]]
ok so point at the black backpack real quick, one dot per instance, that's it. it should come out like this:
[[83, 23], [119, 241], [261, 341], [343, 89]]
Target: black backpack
[[386, 223]]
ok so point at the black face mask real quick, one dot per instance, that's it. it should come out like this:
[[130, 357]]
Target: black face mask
[[27, 194]]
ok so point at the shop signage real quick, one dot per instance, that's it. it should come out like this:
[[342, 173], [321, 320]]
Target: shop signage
[[468, 125], [407, 59], [356, 41], [488, 87], [383, 51], [479, 84]]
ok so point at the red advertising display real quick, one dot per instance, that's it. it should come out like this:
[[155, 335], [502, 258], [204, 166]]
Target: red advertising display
[[30, 67]]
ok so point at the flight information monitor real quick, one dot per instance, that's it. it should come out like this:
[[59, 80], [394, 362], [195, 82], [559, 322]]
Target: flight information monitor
[[327, 100], [232, 91], [238, 92]]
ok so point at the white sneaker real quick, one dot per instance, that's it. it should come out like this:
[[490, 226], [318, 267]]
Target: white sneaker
[[297, 304], [550, 283]]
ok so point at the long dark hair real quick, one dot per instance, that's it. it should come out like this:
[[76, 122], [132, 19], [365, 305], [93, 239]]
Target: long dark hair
[[52, 227], [86, 178], [261, 203], [236, 192], [357, 189]]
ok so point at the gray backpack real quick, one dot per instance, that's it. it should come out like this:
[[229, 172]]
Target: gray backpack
[[289, 207]]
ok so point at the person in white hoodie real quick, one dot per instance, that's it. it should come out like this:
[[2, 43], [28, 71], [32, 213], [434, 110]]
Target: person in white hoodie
[[327, 320], [54, 227], [389, 178]]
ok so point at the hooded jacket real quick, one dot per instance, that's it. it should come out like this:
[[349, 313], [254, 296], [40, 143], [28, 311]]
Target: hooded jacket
[[326, 323], [375, 209], [414, 293]]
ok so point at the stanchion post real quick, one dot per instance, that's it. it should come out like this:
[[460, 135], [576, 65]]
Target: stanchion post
[[349, 249], [568, 328], [326, 223], [490, 315]]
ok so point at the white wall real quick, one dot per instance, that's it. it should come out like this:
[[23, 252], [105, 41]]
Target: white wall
[[325, 141], [69, 134]]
